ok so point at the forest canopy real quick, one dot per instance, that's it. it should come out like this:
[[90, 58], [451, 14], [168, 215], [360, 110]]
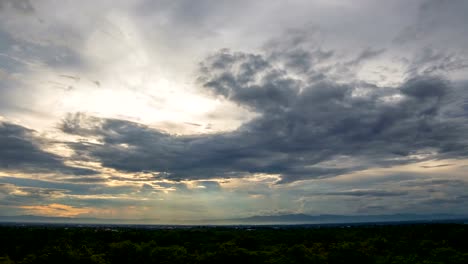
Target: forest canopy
[[441, 243]]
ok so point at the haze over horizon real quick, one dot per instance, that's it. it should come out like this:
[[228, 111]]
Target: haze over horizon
[[228, 109]]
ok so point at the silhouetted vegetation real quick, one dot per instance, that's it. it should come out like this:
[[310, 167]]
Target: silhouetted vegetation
[[442, 243]]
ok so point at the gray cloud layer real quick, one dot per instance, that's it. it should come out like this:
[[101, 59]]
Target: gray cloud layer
[[339, 87], [24, 6], [304, 122], [20, 150]]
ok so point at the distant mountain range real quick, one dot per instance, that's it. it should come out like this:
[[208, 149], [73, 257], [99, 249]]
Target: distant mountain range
[[328, 218], [253, 220]]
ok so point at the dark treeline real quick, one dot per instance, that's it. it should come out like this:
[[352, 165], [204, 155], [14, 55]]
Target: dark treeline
[[442, 243]]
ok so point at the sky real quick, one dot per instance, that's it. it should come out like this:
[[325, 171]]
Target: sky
[[217, 109]]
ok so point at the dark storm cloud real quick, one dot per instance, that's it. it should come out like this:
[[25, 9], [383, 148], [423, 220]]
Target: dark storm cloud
[[234, 77], [302, 123], [425, 88], [20, 150]]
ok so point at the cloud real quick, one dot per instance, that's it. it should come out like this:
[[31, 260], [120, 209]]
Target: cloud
[[303, 123], [366, 54], [367, 193], [70, 187], [306, 91], [250, 80], [21, 150], [23, 6], [13, 195], [56, 210], [436, 61], [425, 87], [437, 18]]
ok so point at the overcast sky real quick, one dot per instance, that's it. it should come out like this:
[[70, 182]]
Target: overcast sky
[[214, 109]]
